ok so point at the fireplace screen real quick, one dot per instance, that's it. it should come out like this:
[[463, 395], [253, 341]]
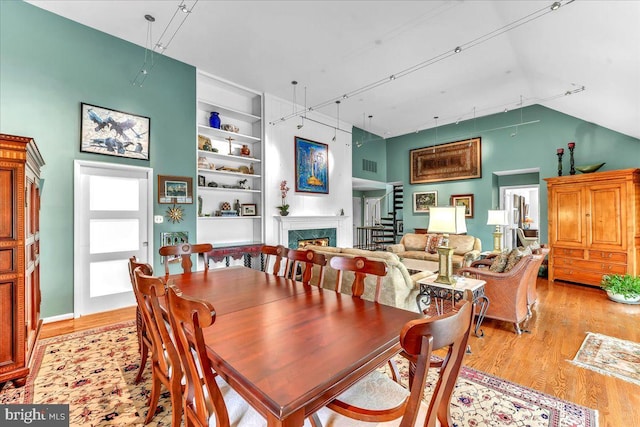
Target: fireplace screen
[[318, 241]]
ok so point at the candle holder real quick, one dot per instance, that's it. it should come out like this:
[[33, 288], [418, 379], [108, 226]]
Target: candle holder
[[560, 152], [572, 146]]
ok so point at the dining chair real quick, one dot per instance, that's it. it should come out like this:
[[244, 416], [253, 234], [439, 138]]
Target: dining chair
[[278, 253], [361, 267], [418, 338], [184, 251], [305, 260], [207, 399], [165, 362], [144, 342]]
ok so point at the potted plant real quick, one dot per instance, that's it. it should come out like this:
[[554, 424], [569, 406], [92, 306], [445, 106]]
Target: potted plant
[[284, 207], [622, 288]]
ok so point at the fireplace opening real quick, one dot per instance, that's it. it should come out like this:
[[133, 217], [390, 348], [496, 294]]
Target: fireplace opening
[[318, 241]]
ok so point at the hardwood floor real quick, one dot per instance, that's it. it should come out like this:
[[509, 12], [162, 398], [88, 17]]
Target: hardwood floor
[[540, 359]]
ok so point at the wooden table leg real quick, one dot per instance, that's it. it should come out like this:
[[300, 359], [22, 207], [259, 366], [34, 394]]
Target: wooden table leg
[[294, 420]]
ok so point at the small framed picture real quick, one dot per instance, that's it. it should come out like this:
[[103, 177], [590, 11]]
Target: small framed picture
[[175, 189], [465, 200], [423, 200], [249, 209], [201, 181]]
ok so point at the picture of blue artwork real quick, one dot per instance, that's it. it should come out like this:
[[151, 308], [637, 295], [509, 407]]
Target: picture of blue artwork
[[312, 166]]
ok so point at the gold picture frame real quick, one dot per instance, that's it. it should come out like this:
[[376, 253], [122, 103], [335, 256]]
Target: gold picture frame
[[446, 162], [175, 189], [465, 200]]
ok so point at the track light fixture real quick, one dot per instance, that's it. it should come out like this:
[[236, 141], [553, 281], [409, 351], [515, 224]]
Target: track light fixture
[[161, 45], [447, 53]]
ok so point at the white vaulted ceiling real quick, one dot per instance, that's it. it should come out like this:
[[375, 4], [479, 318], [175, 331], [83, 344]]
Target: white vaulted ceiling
[[338, 47]]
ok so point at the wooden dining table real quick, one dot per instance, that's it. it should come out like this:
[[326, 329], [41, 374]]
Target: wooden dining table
[[286, 348]]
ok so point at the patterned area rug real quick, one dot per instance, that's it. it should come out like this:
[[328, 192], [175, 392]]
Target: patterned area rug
[[610, 356], [94, 372]]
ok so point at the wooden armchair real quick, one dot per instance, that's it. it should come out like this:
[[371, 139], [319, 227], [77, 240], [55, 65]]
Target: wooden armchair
[[278, 253], [507, 292], [184, 251], [305, 259], [165, 362], [144, 341], [419, 338]]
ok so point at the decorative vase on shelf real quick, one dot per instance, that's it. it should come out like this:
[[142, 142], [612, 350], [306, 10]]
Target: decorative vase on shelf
[[245, 151], [214, 120], [284, 213]]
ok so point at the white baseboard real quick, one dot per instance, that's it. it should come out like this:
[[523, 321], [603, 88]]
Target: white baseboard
[[66, 316]]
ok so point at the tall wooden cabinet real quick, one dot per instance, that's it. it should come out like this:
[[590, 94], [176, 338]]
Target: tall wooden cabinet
[[20, 163], [594, 225]]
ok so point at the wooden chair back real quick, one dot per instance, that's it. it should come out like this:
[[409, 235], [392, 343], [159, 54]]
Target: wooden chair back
[[184, 251], [419, 338], [361, 267], [278, 253], [202, 396], [305, 259], [165, 362], [144, 342]]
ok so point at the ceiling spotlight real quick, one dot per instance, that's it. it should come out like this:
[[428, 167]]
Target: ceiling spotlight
[[301, 125], [568, 92], [160, 46], [392, 77], [150, 18], [556, 5], [345, 96], [458, 49], [183, 8]]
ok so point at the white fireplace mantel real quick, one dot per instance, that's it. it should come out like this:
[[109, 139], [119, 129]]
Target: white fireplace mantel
[[310, 222]]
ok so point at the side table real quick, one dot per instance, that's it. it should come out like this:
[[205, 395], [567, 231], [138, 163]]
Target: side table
[[440, 292]]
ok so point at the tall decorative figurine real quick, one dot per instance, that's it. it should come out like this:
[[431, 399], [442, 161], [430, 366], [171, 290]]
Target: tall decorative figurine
[[571, 146], [560, 152]]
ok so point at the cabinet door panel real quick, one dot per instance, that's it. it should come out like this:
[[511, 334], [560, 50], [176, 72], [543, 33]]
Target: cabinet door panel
[[7, 205], [568, 228], [606, 216], [7, 341]]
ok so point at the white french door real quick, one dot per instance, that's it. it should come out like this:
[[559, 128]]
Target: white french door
[[111, 223]]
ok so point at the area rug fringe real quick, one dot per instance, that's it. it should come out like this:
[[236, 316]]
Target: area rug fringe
[[585, 351], [95, 375]]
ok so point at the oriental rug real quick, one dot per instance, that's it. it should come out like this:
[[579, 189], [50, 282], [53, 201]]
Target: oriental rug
[[94, 371], [610, 356]]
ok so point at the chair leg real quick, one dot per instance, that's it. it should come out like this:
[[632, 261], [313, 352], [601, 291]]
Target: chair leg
[[395, 374], [517, 327], [144, 355], [176, 402], [154, 398]]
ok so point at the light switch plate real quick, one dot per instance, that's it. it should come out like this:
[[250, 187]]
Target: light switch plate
[[158, 219]]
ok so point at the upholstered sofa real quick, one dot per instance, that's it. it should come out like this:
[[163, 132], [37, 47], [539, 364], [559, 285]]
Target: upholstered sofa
[[399, 288], [467, 248]]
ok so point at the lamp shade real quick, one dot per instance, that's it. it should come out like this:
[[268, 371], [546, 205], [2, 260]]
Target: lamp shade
[[497, 217], [447, 219]]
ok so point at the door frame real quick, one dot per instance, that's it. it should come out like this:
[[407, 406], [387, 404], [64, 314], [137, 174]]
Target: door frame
[[77, 226]]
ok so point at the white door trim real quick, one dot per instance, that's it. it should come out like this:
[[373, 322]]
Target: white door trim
[[77, 226]]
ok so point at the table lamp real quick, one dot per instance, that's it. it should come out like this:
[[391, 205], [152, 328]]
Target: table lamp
[[497, 218], [446, 220]]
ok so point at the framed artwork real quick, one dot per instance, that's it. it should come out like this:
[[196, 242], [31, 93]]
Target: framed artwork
[[114, 133], [248, 209], [423, 200], [201, 181], [446, 162], [465, 200], [311, 166], [175, 189]]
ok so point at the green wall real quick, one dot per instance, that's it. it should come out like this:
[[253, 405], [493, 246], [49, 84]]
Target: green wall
[[373, 148], [533, 146], [48, 66]]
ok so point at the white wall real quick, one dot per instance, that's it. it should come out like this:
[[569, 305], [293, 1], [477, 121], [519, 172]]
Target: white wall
[[279, 160]]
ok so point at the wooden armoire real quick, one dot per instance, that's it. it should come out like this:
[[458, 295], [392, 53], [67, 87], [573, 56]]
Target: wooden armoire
[[20, 164], [594, 225]]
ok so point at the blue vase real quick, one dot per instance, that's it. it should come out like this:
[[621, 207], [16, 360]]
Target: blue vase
[[214, 120]]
